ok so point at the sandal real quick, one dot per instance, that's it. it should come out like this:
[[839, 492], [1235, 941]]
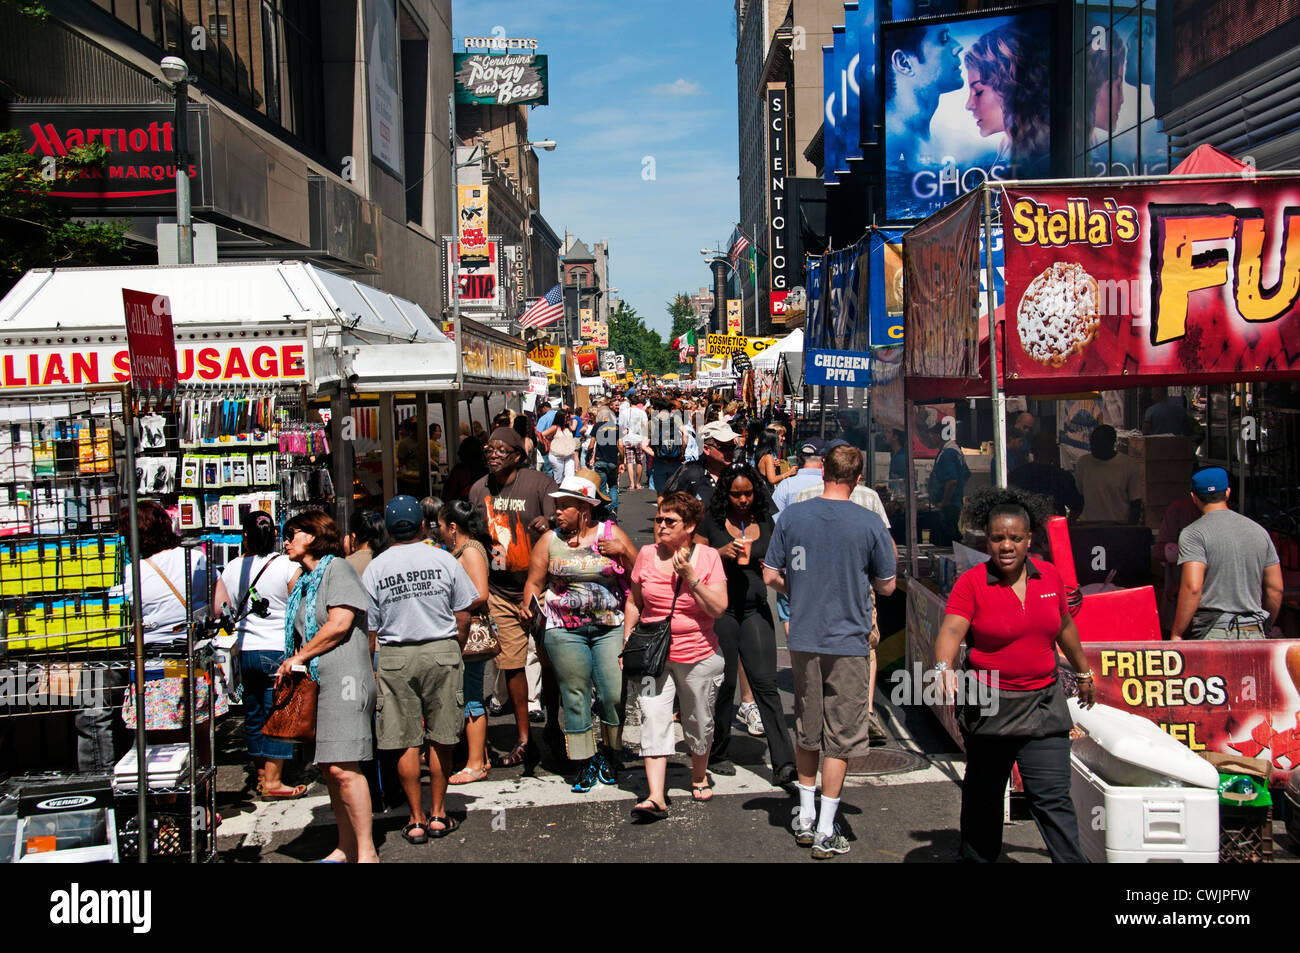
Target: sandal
[[283, 794], [701, 791], [423, 837], [524, 752], [449, 824], [649, 814], [466, 776]]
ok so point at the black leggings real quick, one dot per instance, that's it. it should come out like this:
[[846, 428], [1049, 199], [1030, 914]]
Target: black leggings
[[746, 634]]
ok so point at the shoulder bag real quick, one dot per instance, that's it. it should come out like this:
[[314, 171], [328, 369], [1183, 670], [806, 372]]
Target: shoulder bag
[[293, 709], [646, 651]]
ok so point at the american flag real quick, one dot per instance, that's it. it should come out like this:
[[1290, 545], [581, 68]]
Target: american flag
[[739, 246], [545, 310]]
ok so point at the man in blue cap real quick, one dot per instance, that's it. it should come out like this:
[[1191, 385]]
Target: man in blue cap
[[1231, 580], [419, 615]]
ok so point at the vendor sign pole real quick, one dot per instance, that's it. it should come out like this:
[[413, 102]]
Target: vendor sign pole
[[999, 399], [454, 257]]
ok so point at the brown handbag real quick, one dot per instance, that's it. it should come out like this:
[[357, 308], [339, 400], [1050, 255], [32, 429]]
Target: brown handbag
[[293, 709]]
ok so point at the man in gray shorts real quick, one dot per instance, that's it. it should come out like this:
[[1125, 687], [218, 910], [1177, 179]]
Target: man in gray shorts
[[419, 601], [827, 554]]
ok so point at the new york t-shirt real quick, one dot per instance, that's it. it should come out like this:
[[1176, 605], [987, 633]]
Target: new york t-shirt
[[510, 511]]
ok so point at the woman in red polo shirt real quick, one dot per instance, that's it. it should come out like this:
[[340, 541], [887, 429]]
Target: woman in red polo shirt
[[1012, 613]]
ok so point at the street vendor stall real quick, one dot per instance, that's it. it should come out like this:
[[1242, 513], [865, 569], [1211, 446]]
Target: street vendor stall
[[1117, 283]]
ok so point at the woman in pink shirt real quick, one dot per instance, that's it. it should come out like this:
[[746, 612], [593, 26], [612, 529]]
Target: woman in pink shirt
[[674, 567]]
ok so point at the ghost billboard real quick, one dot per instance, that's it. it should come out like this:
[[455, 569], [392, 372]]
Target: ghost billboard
[[967, 99]]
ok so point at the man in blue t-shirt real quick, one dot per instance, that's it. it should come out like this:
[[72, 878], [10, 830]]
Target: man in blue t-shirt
[[827, 553]]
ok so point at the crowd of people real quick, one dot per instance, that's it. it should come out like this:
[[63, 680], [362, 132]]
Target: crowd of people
[[520, 589]]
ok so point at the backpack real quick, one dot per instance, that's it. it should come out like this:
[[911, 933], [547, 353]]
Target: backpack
[[669, 441]]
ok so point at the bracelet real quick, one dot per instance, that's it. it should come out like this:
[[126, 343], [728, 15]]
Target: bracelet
[[695, 583], [1087, 674], [941, 666]]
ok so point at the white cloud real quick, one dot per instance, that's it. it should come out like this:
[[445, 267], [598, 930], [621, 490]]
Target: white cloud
[[678, 87]]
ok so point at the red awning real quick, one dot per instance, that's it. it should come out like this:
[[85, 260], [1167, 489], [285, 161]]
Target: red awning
[[1207, 160]]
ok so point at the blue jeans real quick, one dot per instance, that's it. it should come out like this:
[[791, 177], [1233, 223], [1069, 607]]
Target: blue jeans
[[581, 658], [609, 483], [474, 685], [259, 690], [661, 471]]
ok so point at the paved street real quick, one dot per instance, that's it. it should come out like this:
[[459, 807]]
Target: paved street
[[900, 817]]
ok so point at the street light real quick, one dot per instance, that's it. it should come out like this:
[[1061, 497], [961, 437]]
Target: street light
[[176, 74]]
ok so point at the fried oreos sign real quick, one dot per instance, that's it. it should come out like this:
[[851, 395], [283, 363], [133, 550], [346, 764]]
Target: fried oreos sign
[[501, 79]]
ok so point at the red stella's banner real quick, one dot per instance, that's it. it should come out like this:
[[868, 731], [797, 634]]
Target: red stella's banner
[[1167, 282], [1240, 698]]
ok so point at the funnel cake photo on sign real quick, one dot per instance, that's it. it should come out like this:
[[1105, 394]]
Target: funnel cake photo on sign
[[1058, 314]]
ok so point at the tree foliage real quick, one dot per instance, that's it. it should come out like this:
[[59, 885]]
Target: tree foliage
[[641, 346], [35, 231], [683, 315]]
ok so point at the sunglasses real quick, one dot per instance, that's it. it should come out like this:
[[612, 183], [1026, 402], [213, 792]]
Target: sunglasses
[[667, 520]]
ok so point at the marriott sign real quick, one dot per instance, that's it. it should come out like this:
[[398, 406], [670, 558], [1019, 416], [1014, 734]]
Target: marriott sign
[[139, 173]]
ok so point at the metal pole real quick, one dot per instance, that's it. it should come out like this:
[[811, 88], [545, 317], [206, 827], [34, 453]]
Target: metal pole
[[137, 625], [184, 221], [453, 260], [754, 278], [999, 399]]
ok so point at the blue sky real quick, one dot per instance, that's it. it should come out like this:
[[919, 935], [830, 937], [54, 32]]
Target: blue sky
[[630, 81]]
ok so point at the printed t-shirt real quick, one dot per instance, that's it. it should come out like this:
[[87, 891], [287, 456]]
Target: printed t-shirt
[[509, 511], [1018, 641], [414, 592], [693, 638]]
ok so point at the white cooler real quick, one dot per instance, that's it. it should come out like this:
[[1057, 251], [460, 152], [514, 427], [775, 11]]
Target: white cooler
[[1140, 795]]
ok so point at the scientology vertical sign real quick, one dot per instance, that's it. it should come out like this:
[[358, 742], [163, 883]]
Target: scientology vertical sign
[[779, 263]]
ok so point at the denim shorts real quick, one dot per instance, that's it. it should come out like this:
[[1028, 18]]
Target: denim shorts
[[783, 607], [474, 685]]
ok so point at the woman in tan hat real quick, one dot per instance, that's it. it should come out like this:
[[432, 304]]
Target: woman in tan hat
[[579, 574]]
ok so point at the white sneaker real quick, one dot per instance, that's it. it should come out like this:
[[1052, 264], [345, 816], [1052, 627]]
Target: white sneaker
[[753, 721]]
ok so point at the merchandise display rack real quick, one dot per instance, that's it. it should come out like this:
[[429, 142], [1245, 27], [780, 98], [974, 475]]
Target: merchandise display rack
[[66, 626]]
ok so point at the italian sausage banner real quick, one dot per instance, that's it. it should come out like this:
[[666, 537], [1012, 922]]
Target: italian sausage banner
[[1168, 282], [1240, 698]]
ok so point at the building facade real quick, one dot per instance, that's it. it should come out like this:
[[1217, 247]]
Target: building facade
[[319, 132]]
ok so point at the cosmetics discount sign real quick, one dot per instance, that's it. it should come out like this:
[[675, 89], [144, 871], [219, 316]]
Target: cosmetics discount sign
[[1168, 282]]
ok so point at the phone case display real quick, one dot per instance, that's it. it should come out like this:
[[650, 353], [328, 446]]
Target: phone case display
[[61, 556]]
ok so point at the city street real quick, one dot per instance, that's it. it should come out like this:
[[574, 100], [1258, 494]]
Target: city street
[[907, 817]]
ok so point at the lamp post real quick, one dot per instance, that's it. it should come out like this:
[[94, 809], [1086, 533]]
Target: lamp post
[[177, 74]]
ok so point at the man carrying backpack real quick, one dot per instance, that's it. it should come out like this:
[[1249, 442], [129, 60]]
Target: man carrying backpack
[[667, 443]]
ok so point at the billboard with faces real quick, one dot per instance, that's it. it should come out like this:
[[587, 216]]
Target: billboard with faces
[[1122, 135], [968, 99]]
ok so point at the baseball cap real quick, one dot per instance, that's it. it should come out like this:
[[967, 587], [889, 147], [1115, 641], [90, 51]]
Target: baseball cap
[[403, 516], [813, 447], [719, 431], [1210, 480], [837, 442]]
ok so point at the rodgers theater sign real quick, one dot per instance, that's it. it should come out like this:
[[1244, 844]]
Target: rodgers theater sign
[[139, 171]]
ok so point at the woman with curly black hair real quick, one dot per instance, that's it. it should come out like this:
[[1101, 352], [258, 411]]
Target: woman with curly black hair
[[1013, 613], [739, 525]]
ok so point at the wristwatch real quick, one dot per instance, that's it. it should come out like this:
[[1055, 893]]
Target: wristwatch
[[697, 581]]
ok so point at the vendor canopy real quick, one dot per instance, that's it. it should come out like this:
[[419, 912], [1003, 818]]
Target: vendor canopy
[[1167, 282], [220, 308]]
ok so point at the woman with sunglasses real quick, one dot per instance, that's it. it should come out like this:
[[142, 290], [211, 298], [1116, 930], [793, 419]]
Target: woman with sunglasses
[[325, 631], [683, 581], [739, 525]]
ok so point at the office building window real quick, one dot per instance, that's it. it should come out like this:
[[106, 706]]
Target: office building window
[[263, 53]]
